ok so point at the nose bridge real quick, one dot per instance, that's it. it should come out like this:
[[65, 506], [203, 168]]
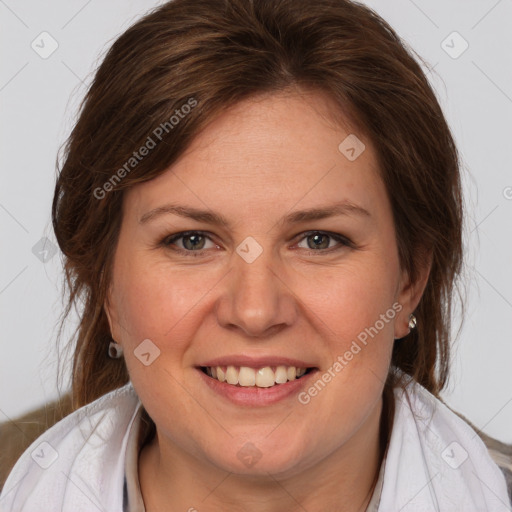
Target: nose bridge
[[257, 301]]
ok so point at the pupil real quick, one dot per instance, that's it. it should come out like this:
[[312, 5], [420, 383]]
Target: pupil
[[193, 241], [317, 242]]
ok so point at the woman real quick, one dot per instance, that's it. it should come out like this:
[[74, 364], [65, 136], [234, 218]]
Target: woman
[[260, 211]]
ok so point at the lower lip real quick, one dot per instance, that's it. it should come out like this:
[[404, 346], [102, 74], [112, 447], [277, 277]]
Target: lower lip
[[254, 396]]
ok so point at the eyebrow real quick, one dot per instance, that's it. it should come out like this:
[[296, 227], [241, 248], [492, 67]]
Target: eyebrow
[[209, 217]]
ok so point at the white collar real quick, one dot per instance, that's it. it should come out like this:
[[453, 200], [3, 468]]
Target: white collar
[[436, 461]]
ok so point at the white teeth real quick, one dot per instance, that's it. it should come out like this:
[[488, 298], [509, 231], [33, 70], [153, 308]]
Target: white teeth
[[281, 374], [232, 375], [265, 377], [247, 376], [301, 372], [262, 377]]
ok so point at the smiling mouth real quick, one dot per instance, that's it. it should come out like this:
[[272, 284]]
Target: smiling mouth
[[245, 376]]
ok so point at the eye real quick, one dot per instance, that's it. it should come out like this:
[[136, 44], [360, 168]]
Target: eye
[[318, 241], [193, 243], [190, 241]]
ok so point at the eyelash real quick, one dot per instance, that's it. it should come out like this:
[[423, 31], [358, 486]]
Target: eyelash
[[343, 241]]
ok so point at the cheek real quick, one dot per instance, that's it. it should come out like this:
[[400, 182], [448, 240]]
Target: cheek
[[354, 310], [153, 301], [355, 316], [160, 305], [352, 301]]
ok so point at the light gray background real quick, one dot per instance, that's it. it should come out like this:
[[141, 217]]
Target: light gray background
[[39, 99]]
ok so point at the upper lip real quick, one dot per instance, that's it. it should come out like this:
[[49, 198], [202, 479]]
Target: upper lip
[[257, 362]]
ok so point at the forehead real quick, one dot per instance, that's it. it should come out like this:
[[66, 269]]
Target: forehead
[[270, 153]]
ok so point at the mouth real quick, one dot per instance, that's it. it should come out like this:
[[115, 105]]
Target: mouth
[[263, 377]]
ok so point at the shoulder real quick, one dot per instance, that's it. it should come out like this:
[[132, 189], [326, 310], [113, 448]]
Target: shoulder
[[77, 463], [437, 425], [433, 449], [500, 453]]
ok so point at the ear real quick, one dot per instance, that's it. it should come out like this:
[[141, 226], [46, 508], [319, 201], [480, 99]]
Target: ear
[[410, 293], [112, 316]]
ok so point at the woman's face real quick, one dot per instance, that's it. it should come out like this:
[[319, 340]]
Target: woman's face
[[289, 260]]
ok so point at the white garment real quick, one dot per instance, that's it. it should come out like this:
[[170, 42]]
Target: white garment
[[133, 501], [435, 461]]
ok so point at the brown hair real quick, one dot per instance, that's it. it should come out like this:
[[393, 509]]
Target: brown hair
[[216, 53]]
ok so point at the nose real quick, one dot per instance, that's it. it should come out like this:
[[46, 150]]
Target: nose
[[256, 299]]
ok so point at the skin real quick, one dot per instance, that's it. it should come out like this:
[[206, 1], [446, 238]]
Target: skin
[[259, 161]]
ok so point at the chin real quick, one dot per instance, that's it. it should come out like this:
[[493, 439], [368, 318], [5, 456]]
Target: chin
[[258, 459]]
